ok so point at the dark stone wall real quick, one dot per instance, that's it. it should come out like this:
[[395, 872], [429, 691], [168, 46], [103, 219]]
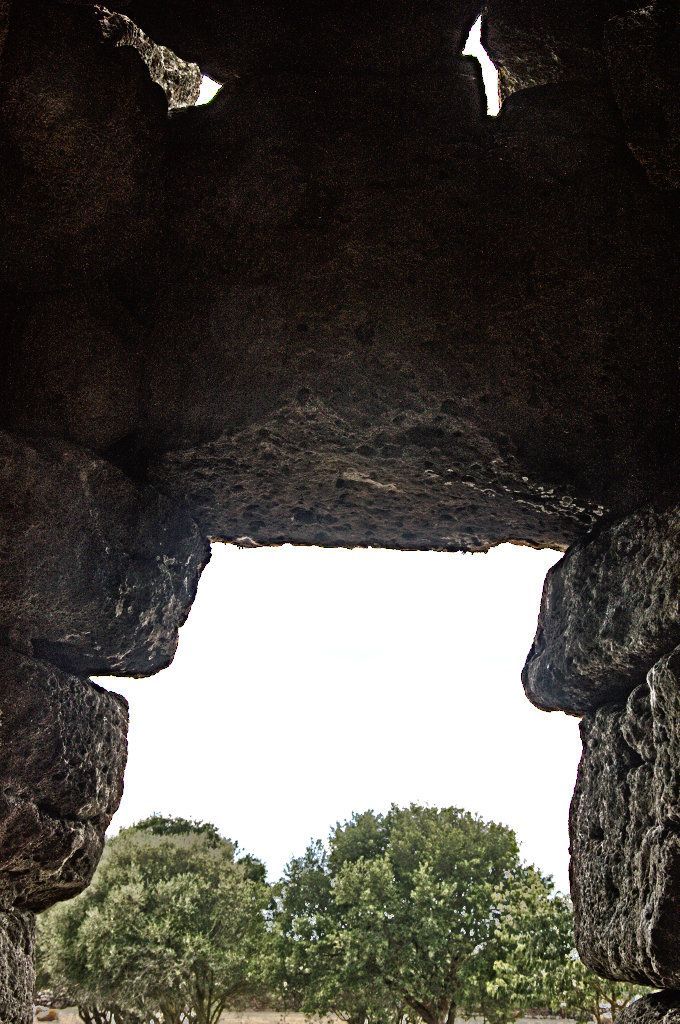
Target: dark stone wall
[[659, 1008], [610, 609], [17, 975], [625, 846], [338, 305]]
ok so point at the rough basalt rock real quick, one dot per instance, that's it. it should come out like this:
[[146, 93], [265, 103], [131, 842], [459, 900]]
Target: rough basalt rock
[[17, 974], [180, 80], [82, 144], [71, 369], [97, 574], [365, 291], [625, 842], [328, 315], [658, 1008], [610, 609], [643, 57], [62, 756], [273, 35], [534, 42]]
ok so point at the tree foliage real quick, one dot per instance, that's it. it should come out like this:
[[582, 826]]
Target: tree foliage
[[171, 929], [536, 963], [392, 919], [417, 915]]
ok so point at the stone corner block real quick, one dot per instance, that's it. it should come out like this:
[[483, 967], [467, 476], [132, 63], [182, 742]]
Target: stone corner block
[[63, 750], [625, 840], [97, 573], [610, 610]]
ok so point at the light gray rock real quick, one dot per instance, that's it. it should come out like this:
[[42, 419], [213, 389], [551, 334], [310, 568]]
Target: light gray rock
[[610, 610], [180, 79], [97, 574], [625, 842], [63, 749], [17, 975]]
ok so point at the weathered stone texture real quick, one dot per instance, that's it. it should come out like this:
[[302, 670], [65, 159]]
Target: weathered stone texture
[[658, 1008], [180, 80], [339, 305], [643, 56], [274, 35], [62, 756], [363, 291], [610, 609], [17, 975], [534, 42], [329, 317], [625, 842], [4, 23], [97, 574]]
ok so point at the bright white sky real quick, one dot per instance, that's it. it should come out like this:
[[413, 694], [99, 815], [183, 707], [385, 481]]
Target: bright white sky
[[310, 683]]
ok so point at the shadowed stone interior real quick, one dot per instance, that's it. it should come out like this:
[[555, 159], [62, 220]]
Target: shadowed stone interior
[[338, 305]]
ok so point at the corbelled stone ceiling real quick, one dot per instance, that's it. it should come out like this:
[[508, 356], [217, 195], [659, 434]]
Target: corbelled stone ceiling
[[339, 305]]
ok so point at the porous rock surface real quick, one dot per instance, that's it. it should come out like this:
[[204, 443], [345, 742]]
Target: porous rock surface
[[625, 835], [97, 573], [658, 1008], [62, 756], [344, 332], [361, 291], [338, 305], [71, 368], [17, 975], [610, 609]]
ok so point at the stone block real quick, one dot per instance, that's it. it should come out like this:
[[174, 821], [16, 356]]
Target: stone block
[[268, 35], [610, 610], [63, 749], [658, 1008], [625, 841], [96, 573], [17, 975], [180, 80]]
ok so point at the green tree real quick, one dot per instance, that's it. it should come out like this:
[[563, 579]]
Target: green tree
[[588, 997], [171, 928], [536, 963], [307, 968], [391, 920], [160, 825]]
